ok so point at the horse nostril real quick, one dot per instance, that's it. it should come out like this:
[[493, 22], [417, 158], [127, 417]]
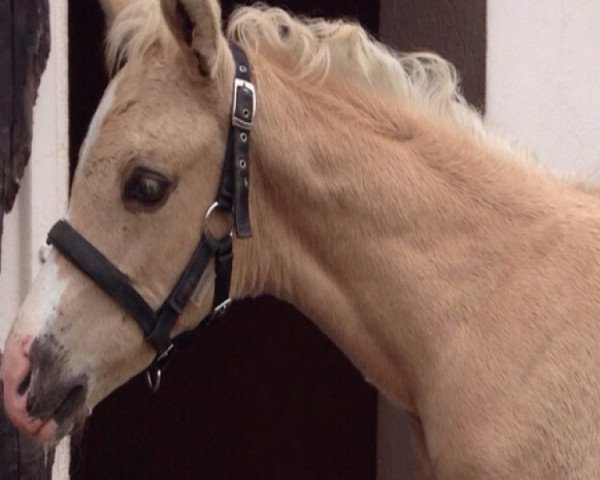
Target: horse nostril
[[56, 400], [30, 405], [72, 400], [24, 385]]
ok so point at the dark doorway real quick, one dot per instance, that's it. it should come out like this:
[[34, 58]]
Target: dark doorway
[[264, 395]]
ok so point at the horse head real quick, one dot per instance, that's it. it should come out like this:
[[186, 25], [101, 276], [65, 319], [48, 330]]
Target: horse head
[[147, 174]]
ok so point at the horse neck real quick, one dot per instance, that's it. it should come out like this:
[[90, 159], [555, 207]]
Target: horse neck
[[386, 227]]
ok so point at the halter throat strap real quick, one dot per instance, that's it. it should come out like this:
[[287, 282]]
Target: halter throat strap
[[234, 185], [232, 196]]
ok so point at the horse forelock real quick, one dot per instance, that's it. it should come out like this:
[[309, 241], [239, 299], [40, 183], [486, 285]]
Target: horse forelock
[[315, 50]]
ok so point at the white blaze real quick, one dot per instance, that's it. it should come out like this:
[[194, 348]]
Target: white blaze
[[98, 119], [42, 303]]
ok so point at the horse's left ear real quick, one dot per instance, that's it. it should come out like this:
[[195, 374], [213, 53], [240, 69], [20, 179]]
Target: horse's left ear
[[196, 25]]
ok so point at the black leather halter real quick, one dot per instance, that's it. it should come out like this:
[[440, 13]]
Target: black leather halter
[[232, 196]]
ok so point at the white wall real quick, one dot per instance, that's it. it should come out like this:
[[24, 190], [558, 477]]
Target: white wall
[[543, 73], [43, 195]]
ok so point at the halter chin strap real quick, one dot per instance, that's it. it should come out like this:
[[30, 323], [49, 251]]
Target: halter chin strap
[[232, 196]]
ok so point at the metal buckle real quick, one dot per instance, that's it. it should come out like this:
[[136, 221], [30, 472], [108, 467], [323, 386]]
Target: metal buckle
[[153, 379], [163, 357], [217, 312], [211, 210], [154, 373], [241, 122], [222, 308]]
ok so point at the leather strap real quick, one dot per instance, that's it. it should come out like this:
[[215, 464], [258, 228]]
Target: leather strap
[[156, 326], [160, 337], [108, 277], [233, 191], [223, 268]]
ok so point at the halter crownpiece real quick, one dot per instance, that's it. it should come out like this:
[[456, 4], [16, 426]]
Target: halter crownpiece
[[232, 197]]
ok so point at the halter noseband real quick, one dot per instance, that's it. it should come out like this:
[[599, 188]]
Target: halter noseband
[[232, 197]]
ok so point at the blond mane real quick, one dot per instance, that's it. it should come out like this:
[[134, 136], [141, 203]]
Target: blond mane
[[315, 49]]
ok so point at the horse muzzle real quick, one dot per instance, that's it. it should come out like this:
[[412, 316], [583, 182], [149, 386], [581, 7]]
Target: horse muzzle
[[41, 398]]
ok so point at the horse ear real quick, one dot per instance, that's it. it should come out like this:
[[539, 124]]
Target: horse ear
[[112, 8], [196, 24]]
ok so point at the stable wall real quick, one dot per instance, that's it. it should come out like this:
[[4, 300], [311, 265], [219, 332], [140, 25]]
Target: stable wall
[[543, 70]]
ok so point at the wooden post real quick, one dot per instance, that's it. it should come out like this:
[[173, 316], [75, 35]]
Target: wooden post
[[6, 87], [24, 49]]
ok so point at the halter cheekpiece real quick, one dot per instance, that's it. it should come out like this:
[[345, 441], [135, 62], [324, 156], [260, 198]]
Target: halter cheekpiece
[[232, 197]]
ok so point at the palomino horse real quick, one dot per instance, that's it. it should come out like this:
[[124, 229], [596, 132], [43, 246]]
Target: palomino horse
[[463, 282]]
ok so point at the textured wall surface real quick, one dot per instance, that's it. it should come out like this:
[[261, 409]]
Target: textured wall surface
[[24, 48], [453, 28]]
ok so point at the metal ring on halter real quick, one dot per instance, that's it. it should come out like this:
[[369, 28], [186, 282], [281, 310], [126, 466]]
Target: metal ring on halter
[[153, 377], [212, 209]]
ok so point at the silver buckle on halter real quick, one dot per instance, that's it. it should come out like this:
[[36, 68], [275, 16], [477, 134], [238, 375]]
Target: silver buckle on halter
[[222, 308], [153, 379], [246, 120], [154, 373], [163, 356]]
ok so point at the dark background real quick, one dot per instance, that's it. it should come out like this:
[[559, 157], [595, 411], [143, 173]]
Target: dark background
[[264, 395]]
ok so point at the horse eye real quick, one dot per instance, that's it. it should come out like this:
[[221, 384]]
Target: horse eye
[[146, 187]]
